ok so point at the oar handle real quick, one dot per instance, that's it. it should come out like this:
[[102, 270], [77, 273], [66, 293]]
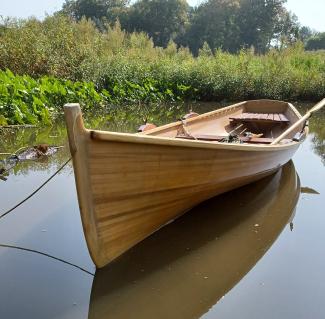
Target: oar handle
[[317, 107], [291, 128]]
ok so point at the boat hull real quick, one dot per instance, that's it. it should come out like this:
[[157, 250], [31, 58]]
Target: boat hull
[[129, 186], [200, 257], [137, 188]]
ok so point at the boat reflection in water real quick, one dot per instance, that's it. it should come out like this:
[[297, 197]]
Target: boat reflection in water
[[182, 270]]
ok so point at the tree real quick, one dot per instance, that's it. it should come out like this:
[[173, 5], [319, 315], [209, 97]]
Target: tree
[[305, 33], [163, 20], [287, 29], [258, 21], [92, 9], [214, 22], [316, 42]]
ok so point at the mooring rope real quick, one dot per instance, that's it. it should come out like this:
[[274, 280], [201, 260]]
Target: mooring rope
[[49, 256], [33, 250], [35, 191]]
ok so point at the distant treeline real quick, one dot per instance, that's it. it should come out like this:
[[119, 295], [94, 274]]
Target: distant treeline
[[230, 25]]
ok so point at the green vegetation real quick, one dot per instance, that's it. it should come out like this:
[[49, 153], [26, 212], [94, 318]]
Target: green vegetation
[[230, 25], [58, 61], [316, 42], [26, 100]]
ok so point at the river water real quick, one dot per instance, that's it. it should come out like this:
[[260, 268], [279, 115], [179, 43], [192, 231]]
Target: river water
[[256, 252]]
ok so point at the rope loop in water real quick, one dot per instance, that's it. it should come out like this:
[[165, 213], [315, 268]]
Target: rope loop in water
[[35, 191]]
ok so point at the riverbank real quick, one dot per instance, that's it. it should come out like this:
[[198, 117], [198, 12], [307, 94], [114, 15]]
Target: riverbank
[[113, 68]]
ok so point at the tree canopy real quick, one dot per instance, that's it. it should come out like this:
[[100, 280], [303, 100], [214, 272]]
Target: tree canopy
[[163, 20], [316, 42], [230, 25], [214, 22]]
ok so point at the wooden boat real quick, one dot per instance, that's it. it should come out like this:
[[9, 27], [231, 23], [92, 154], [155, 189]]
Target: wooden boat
[[186, 267], [129, 185]]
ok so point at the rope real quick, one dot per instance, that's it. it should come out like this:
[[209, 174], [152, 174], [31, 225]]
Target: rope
[[36, 251], [36, 190], [49, 256]]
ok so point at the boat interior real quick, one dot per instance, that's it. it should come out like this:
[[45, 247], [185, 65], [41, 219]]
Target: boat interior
[[253, 122]]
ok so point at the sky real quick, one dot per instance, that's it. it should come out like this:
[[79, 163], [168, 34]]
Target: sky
[[310, 12]]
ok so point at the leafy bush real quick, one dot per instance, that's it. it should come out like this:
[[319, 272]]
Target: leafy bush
[[26, 100]]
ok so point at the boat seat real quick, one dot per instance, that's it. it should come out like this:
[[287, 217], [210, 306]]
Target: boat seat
[[260, 117]]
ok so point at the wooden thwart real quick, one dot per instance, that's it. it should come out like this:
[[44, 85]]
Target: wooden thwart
[[260, 117]]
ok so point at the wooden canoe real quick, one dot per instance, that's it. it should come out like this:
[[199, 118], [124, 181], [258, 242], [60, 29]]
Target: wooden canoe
[[218, 243], [130, 185]]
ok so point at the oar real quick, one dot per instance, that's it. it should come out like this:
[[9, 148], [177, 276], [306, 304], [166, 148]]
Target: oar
[[317, 107]]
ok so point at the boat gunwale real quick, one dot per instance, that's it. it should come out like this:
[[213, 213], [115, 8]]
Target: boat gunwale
[[168, 141], [225, 109]]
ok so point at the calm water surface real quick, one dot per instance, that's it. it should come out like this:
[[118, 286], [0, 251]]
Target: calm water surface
[[256, 252]]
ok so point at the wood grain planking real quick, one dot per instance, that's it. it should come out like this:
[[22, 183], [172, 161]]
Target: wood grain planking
[[283, 117], [277, 117], [237, 248], [138, 202]]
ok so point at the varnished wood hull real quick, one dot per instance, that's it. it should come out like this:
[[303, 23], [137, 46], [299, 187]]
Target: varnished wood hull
[[130, 185], [185, 268]]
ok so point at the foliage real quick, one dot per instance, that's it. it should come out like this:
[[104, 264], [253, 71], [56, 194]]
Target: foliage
[[70, 61], [305, 33], [258, 21], [53, 46], [316, 42], [96, 10], [227, 24], [214, 22], [25, 100], [162, 20]]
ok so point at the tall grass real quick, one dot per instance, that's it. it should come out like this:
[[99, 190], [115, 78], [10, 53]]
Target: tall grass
[[123, 67]]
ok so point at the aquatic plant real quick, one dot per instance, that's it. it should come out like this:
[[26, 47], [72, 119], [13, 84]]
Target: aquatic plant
[[27, 100]]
